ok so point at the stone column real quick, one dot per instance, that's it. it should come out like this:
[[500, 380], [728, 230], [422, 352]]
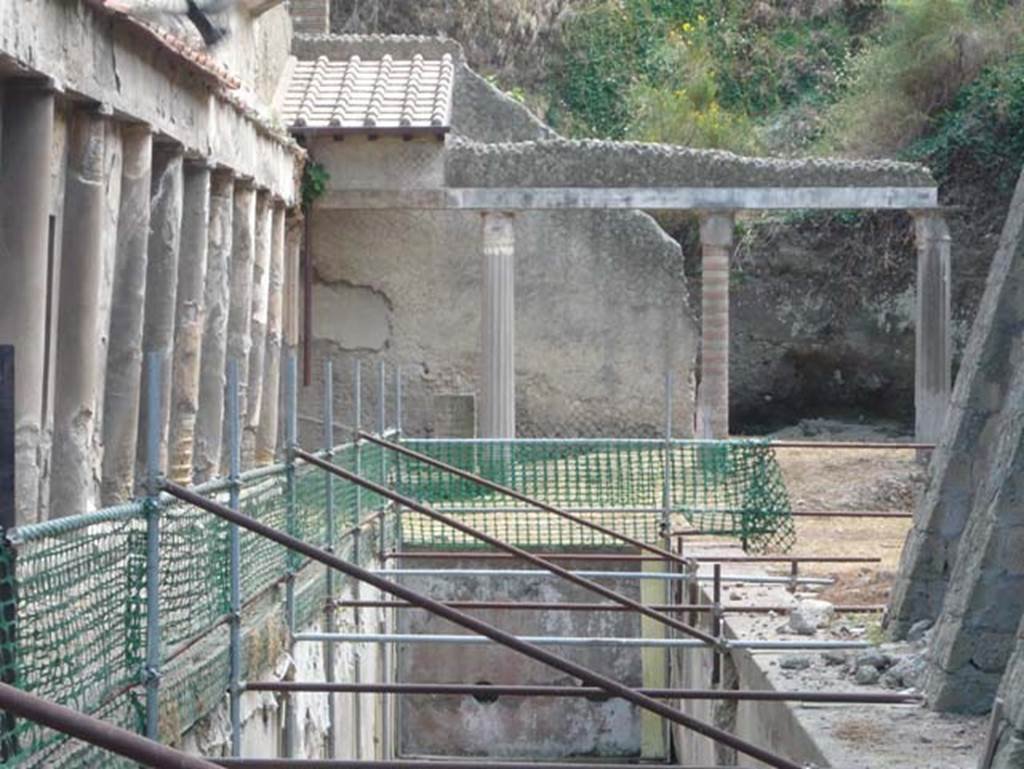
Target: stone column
[[189, 320], [26, 141], [716, 237], [114, 173], [933, 369], [293, 279], [127, 312], [78, 327], [240, 311], [164, 247], [216, 298], [266, 439], [498, 328], [258, 325]]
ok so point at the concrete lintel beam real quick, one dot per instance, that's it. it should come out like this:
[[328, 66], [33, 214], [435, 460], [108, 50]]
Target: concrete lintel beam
[[649, 199]]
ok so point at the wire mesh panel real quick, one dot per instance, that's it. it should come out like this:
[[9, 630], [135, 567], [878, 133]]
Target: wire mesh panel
[[731, 488], [73, 624]]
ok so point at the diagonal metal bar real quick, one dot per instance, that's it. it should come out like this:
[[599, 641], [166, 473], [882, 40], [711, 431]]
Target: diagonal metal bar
[[667, 555], [499, 544], [96, 732], [469, 622]]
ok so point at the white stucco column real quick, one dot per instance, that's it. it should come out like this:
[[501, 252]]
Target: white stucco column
[[266, 438], [26, 144], [166, 201], [498, 332], [716, 237], [243, 254], [188, 323], [78, 329], [216, 299], [933, 361], [258, 326], [127, 311]]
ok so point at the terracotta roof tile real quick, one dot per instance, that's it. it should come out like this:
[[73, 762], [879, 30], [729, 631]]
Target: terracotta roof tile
[[370, 95]]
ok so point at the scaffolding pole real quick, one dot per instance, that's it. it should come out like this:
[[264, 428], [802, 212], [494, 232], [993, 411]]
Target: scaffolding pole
[[329, 602], [235, 621], [151, 674]]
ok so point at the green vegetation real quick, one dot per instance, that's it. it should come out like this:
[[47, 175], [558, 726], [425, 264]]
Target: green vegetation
[[980, 138], [314, 183], [864, 77]]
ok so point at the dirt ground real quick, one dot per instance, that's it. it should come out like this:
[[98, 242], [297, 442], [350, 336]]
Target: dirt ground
[[855, 480]]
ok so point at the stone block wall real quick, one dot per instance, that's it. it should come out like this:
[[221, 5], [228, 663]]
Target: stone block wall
[[963, 563]]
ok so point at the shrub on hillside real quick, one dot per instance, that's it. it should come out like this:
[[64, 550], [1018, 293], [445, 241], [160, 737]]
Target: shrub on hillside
[[926, 54]]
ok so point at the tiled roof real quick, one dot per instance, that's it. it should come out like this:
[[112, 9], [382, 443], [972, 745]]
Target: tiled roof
[[360, 95]]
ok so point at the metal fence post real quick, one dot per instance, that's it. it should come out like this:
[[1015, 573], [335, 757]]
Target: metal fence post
[[151, 673], [398, 401], [8, 520], [234, 473], [382, 427], [666, 491], [329, 529], [386, 655], [357, 700], [291, 442]]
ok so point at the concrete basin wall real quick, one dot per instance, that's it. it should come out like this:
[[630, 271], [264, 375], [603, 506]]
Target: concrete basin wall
[[522, 727]]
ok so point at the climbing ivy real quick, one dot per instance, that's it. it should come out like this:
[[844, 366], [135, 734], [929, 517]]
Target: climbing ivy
[[314, 183]]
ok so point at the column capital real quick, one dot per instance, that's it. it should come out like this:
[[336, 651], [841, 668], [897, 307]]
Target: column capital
[[717, 228], [930, 225]]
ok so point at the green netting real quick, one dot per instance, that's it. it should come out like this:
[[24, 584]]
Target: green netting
[[73, 602], [72, 591], [732, 488]]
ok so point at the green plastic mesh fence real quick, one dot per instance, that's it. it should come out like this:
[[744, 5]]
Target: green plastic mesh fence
[[72, 604], [731, 488], [72, 591], [73, 601]]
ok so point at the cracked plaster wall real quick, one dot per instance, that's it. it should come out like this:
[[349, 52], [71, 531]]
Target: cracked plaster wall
[[602, 304]]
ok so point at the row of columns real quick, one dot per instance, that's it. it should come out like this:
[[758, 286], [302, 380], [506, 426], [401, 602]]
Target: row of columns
[[933, 362], [156, 253]]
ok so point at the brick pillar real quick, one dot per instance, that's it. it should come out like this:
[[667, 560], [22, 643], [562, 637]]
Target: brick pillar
[[311, 17], [716, 235]]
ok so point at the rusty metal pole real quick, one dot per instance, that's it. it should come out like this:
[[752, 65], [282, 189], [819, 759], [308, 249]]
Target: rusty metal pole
[[475, 625], [96, 732], [716, 626]]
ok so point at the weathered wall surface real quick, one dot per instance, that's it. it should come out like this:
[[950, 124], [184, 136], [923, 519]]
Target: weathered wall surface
[[602, 306], [1009, 752], [359, 731], [113, 63], [516, 727]]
